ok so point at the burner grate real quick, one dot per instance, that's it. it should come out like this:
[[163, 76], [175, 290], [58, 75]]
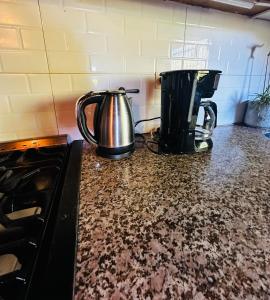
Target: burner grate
[[39, 182], [30, 180]]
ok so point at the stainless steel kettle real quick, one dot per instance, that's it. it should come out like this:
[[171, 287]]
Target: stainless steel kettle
[[113, 122]]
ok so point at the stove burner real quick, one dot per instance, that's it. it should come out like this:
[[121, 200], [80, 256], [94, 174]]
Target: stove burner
[[9, 263], [8, 234], [38, 204], [23, 179], [5, 174], [9, 156], [28, 183], [32, 155]]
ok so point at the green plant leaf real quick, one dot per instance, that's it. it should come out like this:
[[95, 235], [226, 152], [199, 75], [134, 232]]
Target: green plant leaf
[[261, 99]]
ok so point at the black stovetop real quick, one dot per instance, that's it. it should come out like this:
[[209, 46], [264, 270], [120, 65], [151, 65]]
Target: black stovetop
[[33, 196]]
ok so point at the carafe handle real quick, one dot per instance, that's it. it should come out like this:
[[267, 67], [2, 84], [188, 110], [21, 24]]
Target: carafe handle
[[214, 108], [81, 105], [210, 108]]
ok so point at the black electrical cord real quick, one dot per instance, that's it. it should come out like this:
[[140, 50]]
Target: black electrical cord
[[151, 149], [145, 120], [147, 143], [143, 138]]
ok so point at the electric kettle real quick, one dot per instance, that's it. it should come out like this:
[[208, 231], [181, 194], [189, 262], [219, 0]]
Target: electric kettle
[[113, 123]]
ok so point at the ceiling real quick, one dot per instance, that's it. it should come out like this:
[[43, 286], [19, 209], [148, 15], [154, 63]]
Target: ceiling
[[260, 9]]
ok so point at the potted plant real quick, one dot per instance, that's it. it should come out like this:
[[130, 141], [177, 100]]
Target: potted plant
[[258, 110]]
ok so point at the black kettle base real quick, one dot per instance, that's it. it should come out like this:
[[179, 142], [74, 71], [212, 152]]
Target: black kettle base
[[115, 156], [115, 153]]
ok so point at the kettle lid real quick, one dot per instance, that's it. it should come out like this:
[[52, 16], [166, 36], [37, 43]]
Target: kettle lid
[[109, 92], [121, 91], [115, 91]]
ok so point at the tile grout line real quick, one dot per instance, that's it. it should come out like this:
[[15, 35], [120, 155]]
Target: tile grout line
[[46, 54], [117, 73], [19, 38], [185, 32], [28, 84], [1, 65]]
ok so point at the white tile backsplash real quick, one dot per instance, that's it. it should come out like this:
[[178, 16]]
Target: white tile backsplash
[[4, 105], [86, 42], [22, 13], [31, 103], [154, 48], [46, 121], [8, 136], [177, 50], [55, 40], [52, 51], [179, 13], [109, 24], [171, 32], [57, 16], [123, 45], [61, 83], [11, 84], [140, 65], [24, 62], [158, 9], [9, 38], [66, 102], [68, 62], [93, 5], [87, 82], [107, 64], [32, 39], [168, 64], [127, 81], [39, 83], [17, 121], [127, 7], [143, 28]]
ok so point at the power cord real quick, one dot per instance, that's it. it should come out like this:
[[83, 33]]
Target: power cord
[[147, 143], [145, 120], [150, 148]]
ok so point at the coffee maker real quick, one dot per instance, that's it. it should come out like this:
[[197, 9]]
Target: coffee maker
[[182, 94]]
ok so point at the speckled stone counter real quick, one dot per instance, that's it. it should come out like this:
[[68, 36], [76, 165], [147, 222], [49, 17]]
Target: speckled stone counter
[[177, 227]]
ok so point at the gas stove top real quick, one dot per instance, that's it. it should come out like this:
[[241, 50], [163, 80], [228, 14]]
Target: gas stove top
[[39, 183]]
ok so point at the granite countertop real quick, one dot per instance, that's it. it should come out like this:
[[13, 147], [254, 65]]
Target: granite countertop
[[177, 227]]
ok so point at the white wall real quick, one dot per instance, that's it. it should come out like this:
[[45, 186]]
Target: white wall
[[53, 51]]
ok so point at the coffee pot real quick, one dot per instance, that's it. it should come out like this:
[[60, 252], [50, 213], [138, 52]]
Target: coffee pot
[[183, 94], [113, 123], [204, 129]]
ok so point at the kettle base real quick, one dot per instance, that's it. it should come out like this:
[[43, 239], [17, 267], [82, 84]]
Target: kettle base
[[115, 153]]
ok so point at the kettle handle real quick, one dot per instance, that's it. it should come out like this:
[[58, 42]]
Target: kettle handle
[[81, 104]]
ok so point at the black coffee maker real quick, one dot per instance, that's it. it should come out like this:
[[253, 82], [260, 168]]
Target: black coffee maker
[[182, 92]]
